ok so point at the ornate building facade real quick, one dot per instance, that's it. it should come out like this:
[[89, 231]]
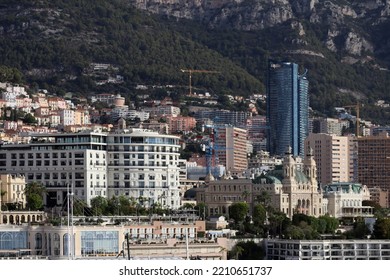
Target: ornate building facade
[[294, 187], [291, 187]]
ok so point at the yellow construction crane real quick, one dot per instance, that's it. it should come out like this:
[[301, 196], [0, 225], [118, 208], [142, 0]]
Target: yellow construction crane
[[357, 109], [190, 71]]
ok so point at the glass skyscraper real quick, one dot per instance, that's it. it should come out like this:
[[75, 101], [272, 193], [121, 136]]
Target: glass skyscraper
[[287, 108]]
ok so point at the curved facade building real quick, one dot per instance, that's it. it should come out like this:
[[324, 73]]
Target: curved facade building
[[287, 109], [145, 165]]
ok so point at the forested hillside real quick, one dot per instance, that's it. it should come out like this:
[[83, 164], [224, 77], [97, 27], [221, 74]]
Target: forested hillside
[[53, 43]]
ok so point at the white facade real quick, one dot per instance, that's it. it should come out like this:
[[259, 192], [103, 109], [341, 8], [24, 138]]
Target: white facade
[[364, 249], [143, 116], [137, 163], [144, 164], [11, 93], [67, 117], [58, 161], [346, 200]]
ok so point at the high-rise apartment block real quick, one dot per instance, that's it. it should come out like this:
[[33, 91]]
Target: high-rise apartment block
[[232, 148], [332, 155], [287, 108], [374, 161]]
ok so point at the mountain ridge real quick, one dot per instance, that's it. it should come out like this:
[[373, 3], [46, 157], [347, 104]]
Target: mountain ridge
[[344, 47]]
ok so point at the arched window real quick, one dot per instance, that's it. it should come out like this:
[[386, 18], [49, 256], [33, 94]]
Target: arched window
[[56, 244], [6, 241]]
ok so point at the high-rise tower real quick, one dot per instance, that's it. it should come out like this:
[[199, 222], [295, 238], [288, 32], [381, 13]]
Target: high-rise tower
[[287, 108]]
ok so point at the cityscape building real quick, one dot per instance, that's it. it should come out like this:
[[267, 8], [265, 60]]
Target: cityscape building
[[134, 162], [156, 239], [287, 108], [332, 155], [221, 117], [338, 249], [12, 190], [291, 187], [345, 200], [374, 161], [330, 126], [231, 143]]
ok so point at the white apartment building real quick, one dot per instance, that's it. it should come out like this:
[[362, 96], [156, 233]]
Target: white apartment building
[[145, 165], [364, 249], [163, 110], [330, 126], [143, 116], [59, 161], [10, 94], [137, 163], [67, 117], [232, 148]]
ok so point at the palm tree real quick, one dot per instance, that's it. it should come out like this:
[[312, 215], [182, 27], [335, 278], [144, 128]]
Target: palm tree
[[2, 193], [245, 194], [237, 252]]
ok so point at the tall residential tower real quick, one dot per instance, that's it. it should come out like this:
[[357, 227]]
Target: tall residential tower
[[287, 108]]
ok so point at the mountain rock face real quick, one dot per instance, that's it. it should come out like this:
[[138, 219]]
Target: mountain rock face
[[347, 22]]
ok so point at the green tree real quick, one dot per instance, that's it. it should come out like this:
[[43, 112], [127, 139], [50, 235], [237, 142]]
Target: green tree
[[259, 215], [29, 119], [247, 250], [238, 211], [294, 232], [2, 194], [245, 194], [99, 206], [360, 230], [331, 223], [278, 222], [34, 202], [382, 228], [34, 193], [201, 207], [264, 198]]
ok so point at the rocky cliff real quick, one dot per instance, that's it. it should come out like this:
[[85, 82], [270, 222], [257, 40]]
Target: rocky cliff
[[346, 24]]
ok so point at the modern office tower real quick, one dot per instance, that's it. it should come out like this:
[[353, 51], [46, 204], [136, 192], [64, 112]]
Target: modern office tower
[[374, 161], [232, 148], [287, 109], [332, 155], [136, 163]]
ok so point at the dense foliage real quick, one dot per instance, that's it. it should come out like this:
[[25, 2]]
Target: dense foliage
[[53, 43]]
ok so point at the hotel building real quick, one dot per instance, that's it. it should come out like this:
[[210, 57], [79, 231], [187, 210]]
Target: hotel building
[[135, 163]]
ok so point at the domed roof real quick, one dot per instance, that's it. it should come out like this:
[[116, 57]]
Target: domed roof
[[190, 194]]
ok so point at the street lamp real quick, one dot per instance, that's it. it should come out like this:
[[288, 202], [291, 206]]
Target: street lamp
[[127, 237]]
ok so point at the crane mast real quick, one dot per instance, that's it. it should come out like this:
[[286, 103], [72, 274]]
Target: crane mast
[[357, 109], [190, 72]]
